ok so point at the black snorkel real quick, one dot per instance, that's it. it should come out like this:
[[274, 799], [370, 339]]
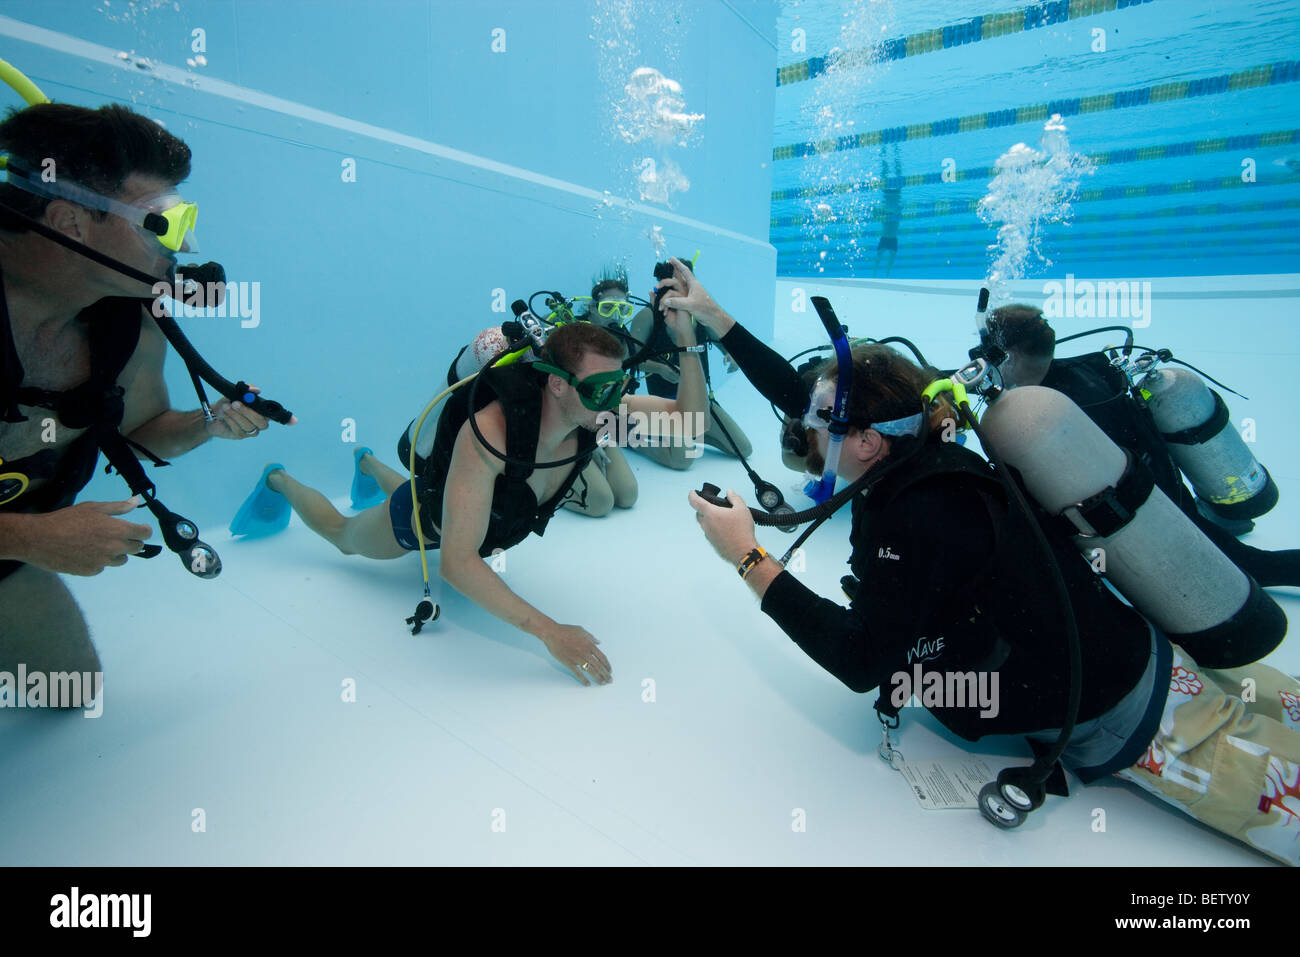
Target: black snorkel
[[990, 347], [180, 534]]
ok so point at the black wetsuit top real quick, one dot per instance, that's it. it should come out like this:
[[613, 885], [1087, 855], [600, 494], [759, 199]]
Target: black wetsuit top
[[113, 328], [515, 509], [951, 576]]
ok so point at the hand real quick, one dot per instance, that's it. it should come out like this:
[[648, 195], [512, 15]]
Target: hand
[[234, 420], [731, 364], [686, 294], [84, 538], [729, 530], [574, 647], [678, 320]]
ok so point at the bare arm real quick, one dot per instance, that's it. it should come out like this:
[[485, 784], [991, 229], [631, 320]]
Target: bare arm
[[466, 512], [148, 417], [692, 402]]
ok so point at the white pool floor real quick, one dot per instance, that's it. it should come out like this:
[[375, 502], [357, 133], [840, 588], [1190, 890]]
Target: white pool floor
[[468, 745]]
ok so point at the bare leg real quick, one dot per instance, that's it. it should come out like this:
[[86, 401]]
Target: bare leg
[[389, 479], [41, 626], [671, 456], [369, 534], [621, 480], [590, 493], [716, 438]]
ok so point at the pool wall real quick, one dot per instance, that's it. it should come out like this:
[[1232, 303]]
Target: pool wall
[[391, 183]]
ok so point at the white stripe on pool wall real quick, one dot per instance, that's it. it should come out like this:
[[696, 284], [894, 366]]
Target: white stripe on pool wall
[[73, 46]]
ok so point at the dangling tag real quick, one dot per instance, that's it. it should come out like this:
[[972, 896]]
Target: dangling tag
[[942, 785]]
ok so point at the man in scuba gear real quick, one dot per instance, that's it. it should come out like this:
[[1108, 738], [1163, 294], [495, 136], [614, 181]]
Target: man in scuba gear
[[1103, 393], [475, 498], [1147, 712], [81, 353], [633, 326]]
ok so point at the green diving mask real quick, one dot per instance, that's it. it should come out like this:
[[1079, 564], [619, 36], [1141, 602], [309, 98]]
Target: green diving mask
[[166, 217], [601, 392]]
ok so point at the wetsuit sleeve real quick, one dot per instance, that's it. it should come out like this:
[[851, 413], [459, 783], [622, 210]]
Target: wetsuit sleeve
[[767, 370], [913, 575]]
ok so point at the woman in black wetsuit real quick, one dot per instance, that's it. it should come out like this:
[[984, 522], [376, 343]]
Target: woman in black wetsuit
[[1149, 713]]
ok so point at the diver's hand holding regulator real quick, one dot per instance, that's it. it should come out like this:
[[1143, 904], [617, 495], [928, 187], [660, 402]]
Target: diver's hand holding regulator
[[677, 319], [235, 420], [687, 295], [575, 648], [729, 529], [85, 538]]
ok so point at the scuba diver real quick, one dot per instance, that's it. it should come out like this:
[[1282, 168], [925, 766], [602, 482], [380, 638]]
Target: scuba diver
[[82, 360], [607, 482], [499, 465], [631, 320], [1103, 392], [953, 583]]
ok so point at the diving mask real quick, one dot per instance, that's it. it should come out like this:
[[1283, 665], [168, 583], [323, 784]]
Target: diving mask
[[822, 405], [601, 392], [622, 309], [166, 217]]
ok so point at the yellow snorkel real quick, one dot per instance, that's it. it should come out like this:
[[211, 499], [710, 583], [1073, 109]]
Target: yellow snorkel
[[24, 87], [14, 484]]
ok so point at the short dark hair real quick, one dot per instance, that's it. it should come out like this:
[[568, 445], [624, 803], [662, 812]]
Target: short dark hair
[[566, 346], [97, 149], [1023, 328]]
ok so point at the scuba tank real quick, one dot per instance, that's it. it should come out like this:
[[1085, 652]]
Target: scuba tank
[[1152, 553], [1194, 421]]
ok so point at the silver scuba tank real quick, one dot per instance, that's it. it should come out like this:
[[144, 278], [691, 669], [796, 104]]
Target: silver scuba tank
[[1194, 421], [1150, 551]]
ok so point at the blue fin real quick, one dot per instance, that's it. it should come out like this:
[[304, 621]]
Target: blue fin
[[366, 492], [264, 512]]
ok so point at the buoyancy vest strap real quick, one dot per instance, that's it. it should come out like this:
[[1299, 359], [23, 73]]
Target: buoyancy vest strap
[[1105, 513]]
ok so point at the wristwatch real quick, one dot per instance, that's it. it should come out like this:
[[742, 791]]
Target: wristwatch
[[750, 561]]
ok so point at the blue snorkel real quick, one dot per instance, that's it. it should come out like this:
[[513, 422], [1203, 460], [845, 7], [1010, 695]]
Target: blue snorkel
[[822, 490]]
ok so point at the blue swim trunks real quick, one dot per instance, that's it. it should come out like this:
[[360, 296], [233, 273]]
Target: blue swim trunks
[[399, 511]]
